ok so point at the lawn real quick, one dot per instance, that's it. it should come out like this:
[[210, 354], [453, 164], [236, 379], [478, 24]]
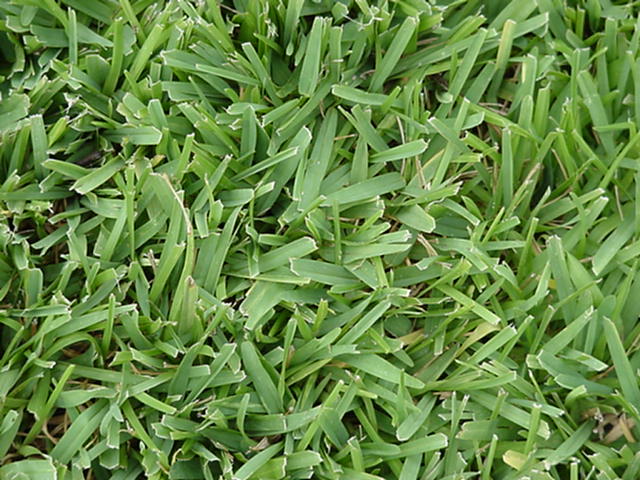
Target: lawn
[[317, 239]]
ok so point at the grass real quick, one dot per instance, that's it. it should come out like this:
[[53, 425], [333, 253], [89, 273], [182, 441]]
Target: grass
[[358, 240]]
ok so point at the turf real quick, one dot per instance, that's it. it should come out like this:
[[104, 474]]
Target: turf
[[364, 239]]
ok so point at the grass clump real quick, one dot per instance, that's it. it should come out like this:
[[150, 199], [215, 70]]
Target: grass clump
[[296, 239]]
